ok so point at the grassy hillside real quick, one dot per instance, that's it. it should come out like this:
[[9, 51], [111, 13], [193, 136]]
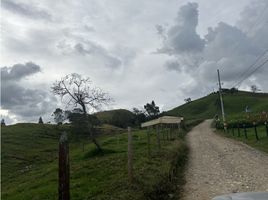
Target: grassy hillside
[[234, 104], [29, 165], [119, 117]]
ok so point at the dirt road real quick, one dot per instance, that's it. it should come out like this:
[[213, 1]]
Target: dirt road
[[219, 165]]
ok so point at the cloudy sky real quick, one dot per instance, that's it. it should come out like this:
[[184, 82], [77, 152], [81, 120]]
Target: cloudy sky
[[137, 51]]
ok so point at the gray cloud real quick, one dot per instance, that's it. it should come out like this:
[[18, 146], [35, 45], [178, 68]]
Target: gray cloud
[[230, 48], [25, 10], [20, 100], [173, 65], [19, 71], [93, 49], [182, 36]]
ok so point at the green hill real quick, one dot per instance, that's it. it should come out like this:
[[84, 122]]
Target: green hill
[[234, 104], [119, 117]]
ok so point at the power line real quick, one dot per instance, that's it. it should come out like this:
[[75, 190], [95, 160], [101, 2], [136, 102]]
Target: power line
[[253, 26], [261, 65], [251, 66]]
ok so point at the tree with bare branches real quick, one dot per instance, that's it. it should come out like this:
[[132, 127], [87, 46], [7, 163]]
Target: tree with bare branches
[[76, 90]]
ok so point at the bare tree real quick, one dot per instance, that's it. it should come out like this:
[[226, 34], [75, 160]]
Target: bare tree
[[254, 88], [188, 100], [76, 90]]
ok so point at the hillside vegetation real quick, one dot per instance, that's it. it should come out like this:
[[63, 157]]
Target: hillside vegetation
[[30, 165], [234, 104], [119, 117]]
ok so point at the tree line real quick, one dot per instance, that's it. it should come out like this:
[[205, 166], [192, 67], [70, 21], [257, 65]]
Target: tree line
[[79, 93]]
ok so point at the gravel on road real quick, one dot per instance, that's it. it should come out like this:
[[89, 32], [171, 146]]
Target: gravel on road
[[219, 165]]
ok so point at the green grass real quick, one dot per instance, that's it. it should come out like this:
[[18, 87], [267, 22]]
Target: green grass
[[29, 165], [262, 144], [234, 104]]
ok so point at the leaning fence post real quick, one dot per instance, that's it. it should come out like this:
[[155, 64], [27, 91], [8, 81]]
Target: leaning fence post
[[130, 156], [245, 131], [256, 132], [64, 168]]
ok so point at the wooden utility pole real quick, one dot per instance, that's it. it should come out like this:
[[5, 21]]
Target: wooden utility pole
[[130, 156], [64, 168], [222, 106]]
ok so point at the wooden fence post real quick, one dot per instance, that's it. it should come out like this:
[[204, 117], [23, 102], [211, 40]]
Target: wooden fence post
[[158, 138], [178, 130], [245, 131], [130, 156], [170, 134], [148, 142], [167, 130], [266, 126], [64, 168], [173, 130], [233, 130], [256, 132], [227, 128], [163, 132]]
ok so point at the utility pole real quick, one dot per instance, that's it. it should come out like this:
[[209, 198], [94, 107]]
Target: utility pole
[[222, 107]]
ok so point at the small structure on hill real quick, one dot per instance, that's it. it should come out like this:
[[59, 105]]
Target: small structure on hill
[[165, 125], [167, 120]]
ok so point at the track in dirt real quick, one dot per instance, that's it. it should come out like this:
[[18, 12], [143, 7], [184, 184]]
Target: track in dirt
[[219, 165]]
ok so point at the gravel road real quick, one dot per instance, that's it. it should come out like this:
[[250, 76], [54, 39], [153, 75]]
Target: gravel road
[[219, 165]]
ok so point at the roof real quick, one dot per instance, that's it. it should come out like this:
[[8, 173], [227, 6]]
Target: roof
[[163, 120]]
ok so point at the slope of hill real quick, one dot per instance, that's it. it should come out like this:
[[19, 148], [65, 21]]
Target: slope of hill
[[118, 117], [234, 104]]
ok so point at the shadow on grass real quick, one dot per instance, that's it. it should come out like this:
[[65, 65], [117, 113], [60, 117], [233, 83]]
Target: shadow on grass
[[95, 153]]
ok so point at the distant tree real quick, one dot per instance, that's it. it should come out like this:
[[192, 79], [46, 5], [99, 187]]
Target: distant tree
[[139, 116], [3, 122], [78, 91], [254, 88], [152, 110], [188, 100], [59, 116], [233, 90], [40, 121]]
